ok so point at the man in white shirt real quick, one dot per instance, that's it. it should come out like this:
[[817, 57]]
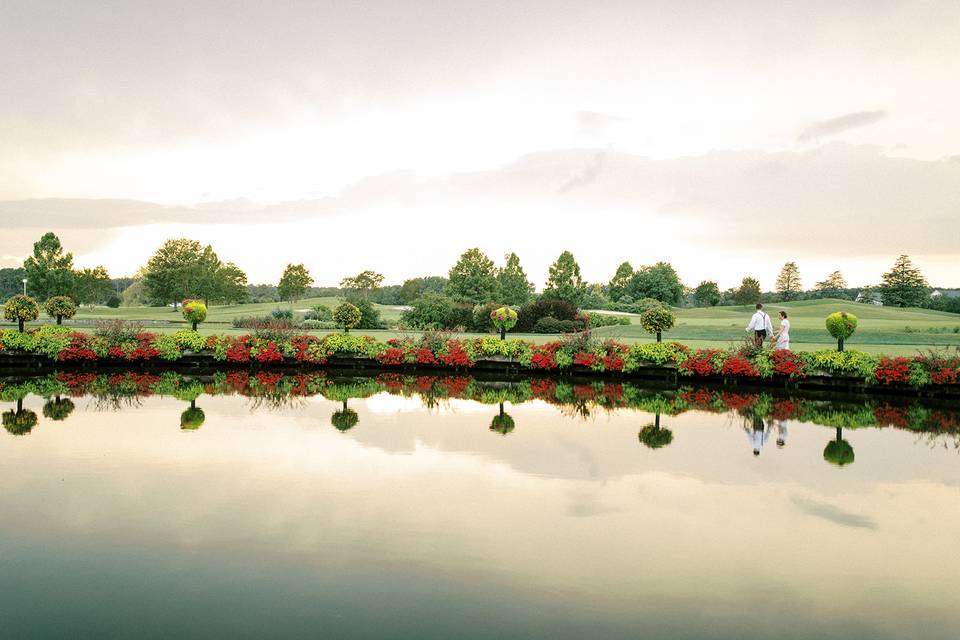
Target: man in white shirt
[[761, 325]]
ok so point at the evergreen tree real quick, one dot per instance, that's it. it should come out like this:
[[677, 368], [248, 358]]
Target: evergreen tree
[[904, 285], [515, 289], [618, 284], [833, 287], [49, 270], [473, 278], [294, 282], [788, 282], [565, 281]]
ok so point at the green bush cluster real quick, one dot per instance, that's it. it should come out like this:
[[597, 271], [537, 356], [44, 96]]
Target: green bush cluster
[[60, 307], [21, 309]]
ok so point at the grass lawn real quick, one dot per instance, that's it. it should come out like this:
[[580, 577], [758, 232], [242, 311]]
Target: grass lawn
[[881, 329]]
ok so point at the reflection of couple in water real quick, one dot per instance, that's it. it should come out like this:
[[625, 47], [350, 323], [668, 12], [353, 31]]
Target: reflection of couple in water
[[758, 435]]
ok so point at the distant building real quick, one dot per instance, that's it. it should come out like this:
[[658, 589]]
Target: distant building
[[870, 297]]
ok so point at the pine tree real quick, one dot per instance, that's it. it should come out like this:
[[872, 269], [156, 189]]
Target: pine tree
[[904, 285], [618, 284], [565, 282], [515, 289], [788, 282], [833, 287]]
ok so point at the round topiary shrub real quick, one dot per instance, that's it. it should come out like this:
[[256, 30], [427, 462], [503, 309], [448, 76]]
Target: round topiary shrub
[[60, 307], [19, 422], [502, 423], [21, 308], [841, 326], [655, 437], [58, 409], [192, 418], [194, 312], [504, 319], [838, 452], [347, 316], [344, 420], [657, 319]]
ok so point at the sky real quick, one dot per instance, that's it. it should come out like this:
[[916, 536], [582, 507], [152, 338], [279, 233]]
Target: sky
[[726, 138]]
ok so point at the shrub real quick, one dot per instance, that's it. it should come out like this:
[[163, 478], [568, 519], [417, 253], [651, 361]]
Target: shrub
[[369, 315], [315, 325], [655, 437], [60, 307], [190, 340], [347, 316], [657, 319], [855, 363], [549, 324], [113, 302], [606, 320], [502, 423], [481, 317], [345, 419], [192, 418], [319, 312], [194, 312], [20, 309], [282, 314], [117, 332], [838, 452], [504, 319], [841, 326], [429, 311], [530, 313]]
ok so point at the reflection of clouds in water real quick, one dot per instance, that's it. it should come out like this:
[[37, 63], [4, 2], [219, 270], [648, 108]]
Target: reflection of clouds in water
[[832, 513]]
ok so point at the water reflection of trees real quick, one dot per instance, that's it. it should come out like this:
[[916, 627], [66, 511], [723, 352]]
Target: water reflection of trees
[[653, 436], [502, 423], [575, 399], [838, 451]]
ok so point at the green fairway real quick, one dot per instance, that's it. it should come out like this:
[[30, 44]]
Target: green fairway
[[881, 329]]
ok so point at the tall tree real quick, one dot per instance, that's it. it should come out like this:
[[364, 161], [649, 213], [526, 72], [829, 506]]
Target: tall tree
[[565, 281], [11, 282], [748, 292], [473, 278], [788, 282], [904, 285], [834, 286], [294, 282], [92, 286], [659, 282], [231, 284], [707, 294], [176, 271], [618, 284], [514, 287], [49, 269], [364, 283]]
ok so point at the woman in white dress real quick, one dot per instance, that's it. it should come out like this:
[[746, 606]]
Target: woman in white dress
[[782, 336]]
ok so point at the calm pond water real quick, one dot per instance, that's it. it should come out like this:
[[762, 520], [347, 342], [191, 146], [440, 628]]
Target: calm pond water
[[246, 507]]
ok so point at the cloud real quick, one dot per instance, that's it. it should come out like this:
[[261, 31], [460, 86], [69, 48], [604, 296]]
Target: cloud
[[592, 123], [826, 128], [833, 513], [585, 175]]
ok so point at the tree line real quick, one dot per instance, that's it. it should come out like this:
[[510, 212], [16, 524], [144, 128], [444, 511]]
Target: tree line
[[183, 269]]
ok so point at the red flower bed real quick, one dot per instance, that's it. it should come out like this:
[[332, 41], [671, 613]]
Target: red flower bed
[[739, 365], [422, 355], [887, 415], [893, 370], [268, 353], [788, 363], [585, 359], [543, 389], [456, 355], [945, 375], [305, 349], [613, 362], [544, 355], [392, 355], [238, 349], [698, 398], [79, 348], [237, 380], [701, 362], [786, 410]]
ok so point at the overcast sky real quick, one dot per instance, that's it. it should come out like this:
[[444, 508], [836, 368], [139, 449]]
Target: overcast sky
[[725, 137]]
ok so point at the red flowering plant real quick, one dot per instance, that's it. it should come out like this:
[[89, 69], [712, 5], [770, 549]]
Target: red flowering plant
[[544, 356], [788, 363], [893, 370], [942, 367], [613, 355], [265, 351], [143, 348], [455, 354], [78, 349], [738, 364], [586, 359], [702, 362], [392, 356], [233, 349]]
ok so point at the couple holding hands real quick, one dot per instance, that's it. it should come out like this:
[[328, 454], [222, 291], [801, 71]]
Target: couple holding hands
[[762, 327]]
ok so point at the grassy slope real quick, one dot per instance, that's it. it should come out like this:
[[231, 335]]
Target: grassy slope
[[881, 329]]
